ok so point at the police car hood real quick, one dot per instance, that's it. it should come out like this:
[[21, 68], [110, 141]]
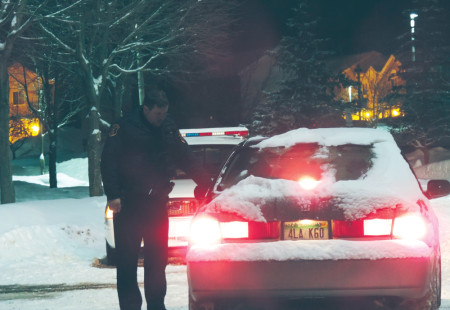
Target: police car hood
[[183, 188]]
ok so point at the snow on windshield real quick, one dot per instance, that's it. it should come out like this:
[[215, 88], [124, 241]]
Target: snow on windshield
[[388, 183]]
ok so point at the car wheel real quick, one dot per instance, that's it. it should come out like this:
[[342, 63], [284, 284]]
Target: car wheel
[[432, 300], [111, 255]]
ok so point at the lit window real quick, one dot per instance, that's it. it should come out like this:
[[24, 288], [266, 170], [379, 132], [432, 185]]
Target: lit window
[[16, 98]]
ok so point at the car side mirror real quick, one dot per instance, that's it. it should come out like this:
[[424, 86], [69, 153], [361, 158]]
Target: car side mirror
[[437, 188]]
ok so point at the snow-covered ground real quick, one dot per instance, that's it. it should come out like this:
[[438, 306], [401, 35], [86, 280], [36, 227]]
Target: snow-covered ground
[[49, 244]]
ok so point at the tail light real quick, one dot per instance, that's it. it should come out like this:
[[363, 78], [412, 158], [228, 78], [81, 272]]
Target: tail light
[[377, 227], [410, 226], [234, 230], [182, 207], [206, 230], [407, 226]]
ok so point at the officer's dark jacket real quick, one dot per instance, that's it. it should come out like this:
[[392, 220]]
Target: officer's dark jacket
[[139, 158]]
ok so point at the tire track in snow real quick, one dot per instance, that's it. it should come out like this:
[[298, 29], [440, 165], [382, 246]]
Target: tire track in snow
[[9, 292]]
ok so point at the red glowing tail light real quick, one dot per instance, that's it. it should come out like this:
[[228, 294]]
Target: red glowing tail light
[[260, 230], [410, 226], [206, 230], [406, 226]]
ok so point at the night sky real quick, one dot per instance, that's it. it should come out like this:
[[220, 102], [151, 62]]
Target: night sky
[[353, 26]]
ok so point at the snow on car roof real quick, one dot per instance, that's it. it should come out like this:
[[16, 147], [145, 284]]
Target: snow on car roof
[[328, 137], [389, 182]]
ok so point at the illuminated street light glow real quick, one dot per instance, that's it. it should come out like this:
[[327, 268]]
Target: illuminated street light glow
[[413, 16], [35, 130]]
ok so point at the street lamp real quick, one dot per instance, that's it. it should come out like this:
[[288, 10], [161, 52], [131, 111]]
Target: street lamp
[[412, 17]]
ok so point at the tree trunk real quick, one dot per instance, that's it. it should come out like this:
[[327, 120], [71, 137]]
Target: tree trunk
[[118, 99], [53, 134], [426, 155], [94, 154], [52, 160], [6, 184]]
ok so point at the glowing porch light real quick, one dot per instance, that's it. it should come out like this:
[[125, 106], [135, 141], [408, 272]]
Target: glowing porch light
[[35, 129]]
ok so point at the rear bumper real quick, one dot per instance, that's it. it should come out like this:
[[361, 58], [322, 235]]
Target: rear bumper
[[406, 278]]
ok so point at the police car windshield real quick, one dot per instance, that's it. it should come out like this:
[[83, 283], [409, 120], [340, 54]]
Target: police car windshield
[[345, 162], [212, 158]]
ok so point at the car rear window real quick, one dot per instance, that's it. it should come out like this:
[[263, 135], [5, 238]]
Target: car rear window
[[212, 158], [344, 162]]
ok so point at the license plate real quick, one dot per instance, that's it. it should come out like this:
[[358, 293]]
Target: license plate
[[306, 230]]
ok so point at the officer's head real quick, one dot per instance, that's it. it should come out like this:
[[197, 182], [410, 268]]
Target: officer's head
[[155, 106]]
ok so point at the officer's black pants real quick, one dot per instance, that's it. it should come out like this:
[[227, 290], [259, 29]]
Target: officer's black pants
[[144, 218]]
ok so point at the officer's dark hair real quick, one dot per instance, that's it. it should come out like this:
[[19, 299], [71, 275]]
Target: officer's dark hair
[[155, 97]]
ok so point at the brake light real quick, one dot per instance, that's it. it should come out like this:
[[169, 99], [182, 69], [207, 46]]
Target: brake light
[[308, 183], [233, 230], [109, 214], [410, 226], [205, 230], [407, 226], [377, 227]]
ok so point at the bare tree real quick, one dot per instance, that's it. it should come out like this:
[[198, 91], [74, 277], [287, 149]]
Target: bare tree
[[55, 93], [104, 38], [16, 17]]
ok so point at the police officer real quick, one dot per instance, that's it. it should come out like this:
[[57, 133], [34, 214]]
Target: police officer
[[139, 159]]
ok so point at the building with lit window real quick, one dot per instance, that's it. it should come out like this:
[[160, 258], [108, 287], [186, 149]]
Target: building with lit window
[[24, 89], [372, 95]]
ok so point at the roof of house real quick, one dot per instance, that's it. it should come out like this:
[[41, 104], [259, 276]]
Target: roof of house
[[364, 60]]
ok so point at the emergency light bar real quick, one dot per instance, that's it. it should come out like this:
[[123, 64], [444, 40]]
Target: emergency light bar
[[203, 132]]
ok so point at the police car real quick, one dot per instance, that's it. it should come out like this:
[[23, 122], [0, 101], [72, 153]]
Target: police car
[[212, 146]]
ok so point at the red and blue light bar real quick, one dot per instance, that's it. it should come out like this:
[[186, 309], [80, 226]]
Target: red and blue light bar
[[239, 132]]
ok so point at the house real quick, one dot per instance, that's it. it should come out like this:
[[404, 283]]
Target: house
[[23, 83], [375, 79]]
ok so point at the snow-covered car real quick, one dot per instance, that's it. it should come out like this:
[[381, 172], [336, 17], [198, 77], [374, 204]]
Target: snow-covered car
[[316, 213], [211, 146]]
